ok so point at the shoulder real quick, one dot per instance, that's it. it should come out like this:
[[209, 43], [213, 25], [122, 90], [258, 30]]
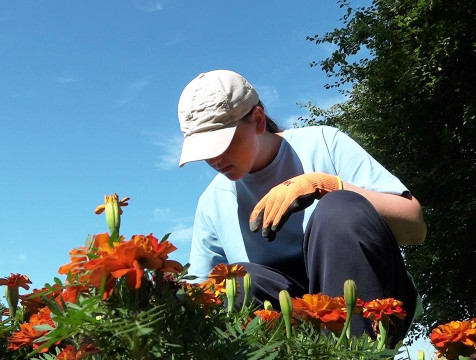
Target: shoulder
[[310, 133], [312, 138]]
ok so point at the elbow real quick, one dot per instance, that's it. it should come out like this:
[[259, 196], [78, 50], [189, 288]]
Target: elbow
[[416, 229], [413, 234], [420, 228], [420, 233]]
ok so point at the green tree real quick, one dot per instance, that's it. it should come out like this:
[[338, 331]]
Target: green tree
[[411, 67]]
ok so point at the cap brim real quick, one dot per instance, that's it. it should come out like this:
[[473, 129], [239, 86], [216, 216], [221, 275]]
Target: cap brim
[[206, 145]]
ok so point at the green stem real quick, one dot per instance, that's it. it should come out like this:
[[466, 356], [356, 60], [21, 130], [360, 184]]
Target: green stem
[[383, 327], [344, 330]]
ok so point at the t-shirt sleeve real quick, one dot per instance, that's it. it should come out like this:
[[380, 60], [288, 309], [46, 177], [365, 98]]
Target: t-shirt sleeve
[[206, 250], [355, 166]]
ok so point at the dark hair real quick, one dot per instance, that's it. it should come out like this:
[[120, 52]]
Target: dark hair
[[271, 126]]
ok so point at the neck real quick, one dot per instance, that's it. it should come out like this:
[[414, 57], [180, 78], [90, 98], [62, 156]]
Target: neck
[[269, 144]]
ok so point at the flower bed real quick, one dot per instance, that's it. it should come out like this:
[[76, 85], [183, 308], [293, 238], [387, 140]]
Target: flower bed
[[124, 299]]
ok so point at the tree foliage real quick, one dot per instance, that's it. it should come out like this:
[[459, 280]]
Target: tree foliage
[[412, 105]]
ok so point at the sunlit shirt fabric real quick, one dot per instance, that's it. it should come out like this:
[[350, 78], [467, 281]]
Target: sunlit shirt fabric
[[221, 230]]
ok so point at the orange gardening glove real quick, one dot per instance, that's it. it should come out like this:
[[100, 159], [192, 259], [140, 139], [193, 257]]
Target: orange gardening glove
[[293, 195]]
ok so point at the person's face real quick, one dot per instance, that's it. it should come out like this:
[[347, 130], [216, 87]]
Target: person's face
[[239, 158]]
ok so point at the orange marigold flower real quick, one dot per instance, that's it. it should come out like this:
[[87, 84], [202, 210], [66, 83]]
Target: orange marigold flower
[[71, 353], [16, 281], [33, 302], [129, 259], [269, 316], [221, 272], [79, 256], [71, 293], [28, 334], [319, 308], [212, 285], [12, 283], [455, 338], [375, 309], [100, 243], [357, 308], [202, 295], [24, 337]]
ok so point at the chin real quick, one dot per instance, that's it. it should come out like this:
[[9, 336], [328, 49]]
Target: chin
[[234, 176]]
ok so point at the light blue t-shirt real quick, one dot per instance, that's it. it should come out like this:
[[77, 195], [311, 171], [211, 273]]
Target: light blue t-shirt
[[221, 228]]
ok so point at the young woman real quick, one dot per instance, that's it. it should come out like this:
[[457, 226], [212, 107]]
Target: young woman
[[326, 209]]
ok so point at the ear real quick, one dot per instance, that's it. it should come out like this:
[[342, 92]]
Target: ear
[[260, 118]]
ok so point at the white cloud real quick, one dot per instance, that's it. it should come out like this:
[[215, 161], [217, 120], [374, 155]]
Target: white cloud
[[148, 6], [167, 215], [181, 226], [268, 94], [322, 99], [326, 102], [132, 91], [162, 213], [181, 233], [138, 84], [327, 48], [290, 120], [170, 152], [64, 79]]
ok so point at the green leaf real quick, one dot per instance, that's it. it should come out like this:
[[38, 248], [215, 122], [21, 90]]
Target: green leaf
[[165, 238], [272, 350], [44, 327], [144, 331], [221, 332], [49, 287], [53, 306]]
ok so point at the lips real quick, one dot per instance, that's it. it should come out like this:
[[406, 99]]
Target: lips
[[225, 169]]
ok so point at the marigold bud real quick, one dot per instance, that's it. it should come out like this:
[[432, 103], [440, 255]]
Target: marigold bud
[[112, 211], [247, 283], [286, 310], [350, 295], [112, 208], [247, 287], [231, 293], [12, 283], [267, 305]]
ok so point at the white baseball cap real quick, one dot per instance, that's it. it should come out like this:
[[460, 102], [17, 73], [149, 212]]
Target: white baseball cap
[[209, 110]]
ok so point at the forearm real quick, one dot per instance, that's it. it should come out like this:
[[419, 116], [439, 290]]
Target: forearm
[[403, 215]]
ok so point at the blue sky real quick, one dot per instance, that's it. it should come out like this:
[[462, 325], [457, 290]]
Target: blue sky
[[89, 94]]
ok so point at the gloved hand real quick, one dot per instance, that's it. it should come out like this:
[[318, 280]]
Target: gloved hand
[[293, 195]]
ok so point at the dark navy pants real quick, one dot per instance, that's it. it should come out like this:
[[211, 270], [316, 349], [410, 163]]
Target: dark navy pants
[[345, 239]]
